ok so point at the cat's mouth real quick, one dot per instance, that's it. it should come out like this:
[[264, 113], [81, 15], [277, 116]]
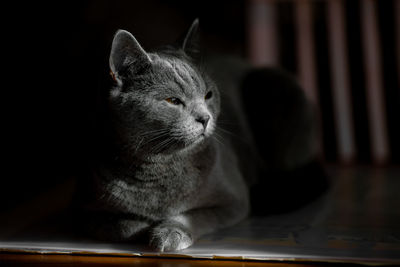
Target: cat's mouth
[[197, 139], [182, 141]]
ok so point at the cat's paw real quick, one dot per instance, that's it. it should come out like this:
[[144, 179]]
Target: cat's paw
[[170, 237]]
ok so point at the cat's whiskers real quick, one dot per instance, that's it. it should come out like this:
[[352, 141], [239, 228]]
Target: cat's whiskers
[[140, 139], [155, 135], [162, 145], [154, 131], [227, 123], [138, 145], [156, 138], [218, 141], [217, 137], [155, 148], [232, 134], [170, 143]]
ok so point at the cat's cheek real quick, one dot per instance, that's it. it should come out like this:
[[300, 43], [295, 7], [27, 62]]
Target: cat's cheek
[[166, 115]]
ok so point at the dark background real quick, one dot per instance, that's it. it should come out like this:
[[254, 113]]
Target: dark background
[[55, 57]]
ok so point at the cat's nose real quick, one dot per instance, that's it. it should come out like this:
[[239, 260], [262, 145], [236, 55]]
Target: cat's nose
[[203, 120]]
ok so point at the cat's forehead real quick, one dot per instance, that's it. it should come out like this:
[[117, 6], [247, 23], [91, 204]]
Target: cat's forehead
[[180, 72]]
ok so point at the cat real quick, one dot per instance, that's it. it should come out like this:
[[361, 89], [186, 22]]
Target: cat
[[171, 172]]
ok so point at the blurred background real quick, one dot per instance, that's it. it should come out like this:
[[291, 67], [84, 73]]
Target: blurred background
[[346, 54]]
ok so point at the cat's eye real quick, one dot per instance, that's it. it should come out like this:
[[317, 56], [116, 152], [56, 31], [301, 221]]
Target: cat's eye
[[208, 95], [174, 101]]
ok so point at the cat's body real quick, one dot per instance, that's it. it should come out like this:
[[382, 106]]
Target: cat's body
[[196, 192], [170, 171]]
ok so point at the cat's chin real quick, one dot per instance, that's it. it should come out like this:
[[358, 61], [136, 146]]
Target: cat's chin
[[200, 138], [185, 145], [194, 142]]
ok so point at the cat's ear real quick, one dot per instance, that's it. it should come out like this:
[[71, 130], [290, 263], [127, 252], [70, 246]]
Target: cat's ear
[[126, 52], [191, 41]]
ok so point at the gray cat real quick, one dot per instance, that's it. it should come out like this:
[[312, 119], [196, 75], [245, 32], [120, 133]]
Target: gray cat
[[172, 172]]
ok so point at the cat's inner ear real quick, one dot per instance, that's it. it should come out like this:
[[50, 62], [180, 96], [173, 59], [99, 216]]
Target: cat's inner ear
[[190, 43], [126, 52]]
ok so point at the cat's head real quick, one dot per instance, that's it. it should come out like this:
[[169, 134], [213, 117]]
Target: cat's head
[[162, 102]]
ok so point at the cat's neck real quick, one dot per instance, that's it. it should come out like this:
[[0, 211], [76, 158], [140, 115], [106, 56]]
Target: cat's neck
[[201, 157], [130, 158]]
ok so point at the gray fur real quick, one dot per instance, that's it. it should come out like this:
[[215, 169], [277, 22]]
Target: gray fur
[[173, 176]]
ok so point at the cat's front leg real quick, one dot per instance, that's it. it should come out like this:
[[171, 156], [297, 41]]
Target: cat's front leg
[[171, 235], [179, 232]]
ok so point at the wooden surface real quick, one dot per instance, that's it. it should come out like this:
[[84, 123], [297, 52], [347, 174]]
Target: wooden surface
[[74, 260]]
